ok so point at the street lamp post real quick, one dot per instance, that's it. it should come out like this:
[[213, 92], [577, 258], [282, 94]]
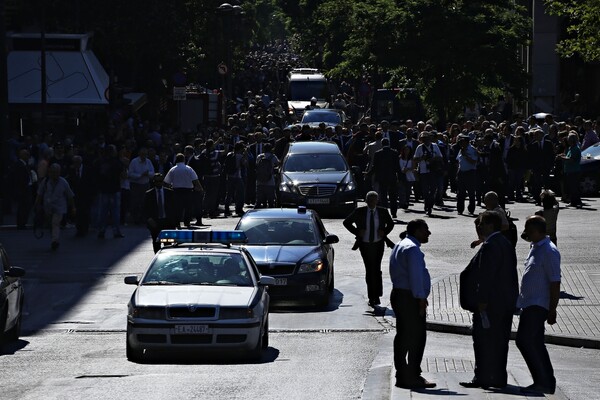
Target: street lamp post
[[228, 12]]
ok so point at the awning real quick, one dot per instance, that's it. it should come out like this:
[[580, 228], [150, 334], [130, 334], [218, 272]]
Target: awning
[[73, 77]]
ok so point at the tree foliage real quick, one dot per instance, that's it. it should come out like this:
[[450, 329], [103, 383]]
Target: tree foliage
[[455, 51], [583, 28]]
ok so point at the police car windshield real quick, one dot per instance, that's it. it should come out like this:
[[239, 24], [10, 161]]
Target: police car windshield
[[272, 231], [205, 269], [315, 163]]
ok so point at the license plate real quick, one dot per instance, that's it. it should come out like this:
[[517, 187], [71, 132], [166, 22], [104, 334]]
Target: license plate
[[280, 281], [190, 329], [318, 201]]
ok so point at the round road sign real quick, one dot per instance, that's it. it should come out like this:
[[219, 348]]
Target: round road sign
[[222, 68]]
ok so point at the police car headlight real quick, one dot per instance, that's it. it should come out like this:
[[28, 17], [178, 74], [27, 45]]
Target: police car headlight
[[314, 266], [236, 313], [147, 312]]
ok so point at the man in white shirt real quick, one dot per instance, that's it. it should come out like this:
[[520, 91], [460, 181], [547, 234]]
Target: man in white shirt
[[139, 172], [428, 157], [184, 181]]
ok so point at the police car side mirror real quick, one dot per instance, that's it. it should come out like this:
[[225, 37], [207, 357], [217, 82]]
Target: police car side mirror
[[132, 280], [331, 239], [266, 281]]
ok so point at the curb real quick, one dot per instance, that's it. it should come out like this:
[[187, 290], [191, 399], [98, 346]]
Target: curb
[[560, 340], [378, 384]]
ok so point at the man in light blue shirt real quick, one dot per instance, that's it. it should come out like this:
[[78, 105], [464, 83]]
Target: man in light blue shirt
[[412, 285], [538, 299], [467, 174]]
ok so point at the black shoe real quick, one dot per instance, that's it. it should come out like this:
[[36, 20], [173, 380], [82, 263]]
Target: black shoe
[[54, 245], [101, 235], [472, 384], [416, 383], [374, 302], [477, 384], [118, 235], [536, 389]]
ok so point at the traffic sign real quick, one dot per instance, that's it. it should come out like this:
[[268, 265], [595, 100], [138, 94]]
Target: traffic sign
[[179, 93], [222, 68]]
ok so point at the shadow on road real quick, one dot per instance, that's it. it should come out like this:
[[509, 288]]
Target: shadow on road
[[283, 307]]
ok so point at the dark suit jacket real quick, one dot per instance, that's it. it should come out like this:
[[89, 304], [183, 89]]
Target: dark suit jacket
[[357, 221], [495, 275], [82, 186], [151, 207], [403, 143], [542, 157], [21, 176], [386, 165]]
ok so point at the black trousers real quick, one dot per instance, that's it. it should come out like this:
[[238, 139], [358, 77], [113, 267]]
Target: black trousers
[[491, 348], [184, 204], [372, 254], [467, 183], [411, 336], [389, 190], [530, 341]]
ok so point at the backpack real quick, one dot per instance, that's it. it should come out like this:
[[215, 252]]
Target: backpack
[[230, 163], [264, 169]]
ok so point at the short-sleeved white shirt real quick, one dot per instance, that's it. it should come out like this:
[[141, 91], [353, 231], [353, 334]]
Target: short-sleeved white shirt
[[181, 176]]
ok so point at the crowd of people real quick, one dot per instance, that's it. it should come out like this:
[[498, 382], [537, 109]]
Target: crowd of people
[[110, 174], [404, 161]]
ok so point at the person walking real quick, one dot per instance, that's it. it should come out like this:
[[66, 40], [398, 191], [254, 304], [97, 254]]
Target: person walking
[[56, 198], [184, 182], [386, 169], [23, 187], [265, 178], [235, 162], [110, 170], [429, 160], [466, 177], [159, 209], [371, 225], [489, 288], [572, 170], [538, 299], [411, 287], [140, 172]]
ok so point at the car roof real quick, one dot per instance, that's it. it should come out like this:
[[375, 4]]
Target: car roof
[[313, 147], [279, 213]]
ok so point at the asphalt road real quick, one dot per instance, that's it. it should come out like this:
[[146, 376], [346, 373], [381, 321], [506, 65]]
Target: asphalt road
[[74, 342]]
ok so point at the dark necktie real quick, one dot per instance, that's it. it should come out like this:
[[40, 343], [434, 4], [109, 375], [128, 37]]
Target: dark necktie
[[161, 213], [372, 227]]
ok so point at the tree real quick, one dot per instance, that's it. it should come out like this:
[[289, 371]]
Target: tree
[[583, 29], [455, 51]]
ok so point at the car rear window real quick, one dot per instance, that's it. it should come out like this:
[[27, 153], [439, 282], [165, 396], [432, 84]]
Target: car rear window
[[315, 163], [283, 232]]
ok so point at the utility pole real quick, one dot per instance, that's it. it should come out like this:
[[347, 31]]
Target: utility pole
[[44, 94], [4, 123]]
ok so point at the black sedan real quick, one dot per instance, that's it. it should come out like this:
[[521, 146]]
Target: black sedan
[[11, 299], [292, 246]]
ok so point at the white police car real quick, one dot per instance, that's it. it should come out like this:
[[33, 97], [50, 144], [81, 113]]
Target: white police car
[[199, 292]]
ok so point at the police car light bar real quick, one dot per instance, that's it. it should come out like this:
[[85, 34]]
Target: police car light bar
[[191, 236]]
